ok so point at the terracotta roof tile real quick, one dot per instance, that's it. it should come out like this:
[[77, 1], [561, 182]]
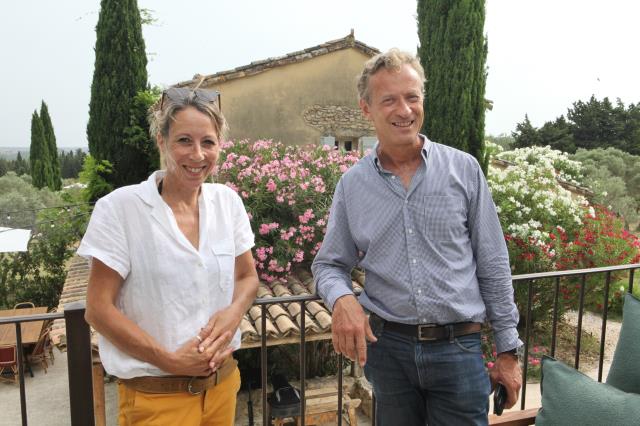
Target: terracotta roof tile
[[257, 67]]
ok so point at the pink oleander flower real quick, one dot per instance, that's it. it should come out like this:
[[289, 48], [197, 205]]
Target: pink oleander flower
[[264, 229], [307, 216], [232, 186], [287, 194], [243, 159]]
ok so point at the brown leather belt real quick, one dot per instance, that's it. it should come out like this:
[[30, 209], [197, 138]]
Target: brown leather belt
[[431, 332], [175, 384]]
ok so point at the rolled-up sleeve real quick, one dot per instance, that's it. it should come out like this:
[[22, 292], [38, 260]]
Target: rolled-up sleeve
[[105, 239], [338, 254], [492, 263]]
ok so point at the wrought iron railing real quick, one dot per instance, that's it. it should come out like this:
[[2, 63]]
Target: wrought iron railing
[[80, 360], [531, 279]]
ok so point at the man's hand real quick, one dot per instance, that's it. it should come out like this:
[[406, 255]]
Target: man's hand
[[350, 329], [507, 371]]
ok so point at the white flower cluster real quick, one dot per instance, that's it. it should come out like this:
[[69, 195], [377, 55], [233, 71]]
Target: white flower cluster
[[528, 198], [568, 170]]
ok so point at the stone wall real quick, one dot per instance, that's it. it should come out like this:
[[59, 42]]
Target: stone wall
[[338, 120]]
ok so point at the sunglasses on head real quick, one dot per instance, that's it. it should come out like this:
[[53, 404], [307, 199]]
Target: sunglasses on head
[[179, 94]]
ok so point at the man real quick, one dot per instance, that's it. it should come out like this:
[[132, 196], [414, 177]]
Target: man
[[418, 217]]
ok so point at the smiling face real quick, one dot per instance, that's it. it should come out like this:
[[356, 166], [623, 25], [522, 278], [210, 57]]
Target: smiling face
[[395, 105], [191, 148]]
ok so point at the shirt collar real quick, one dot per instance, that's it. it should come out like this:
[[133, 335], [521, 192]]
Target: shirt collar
[[148, 190], [426, 147]]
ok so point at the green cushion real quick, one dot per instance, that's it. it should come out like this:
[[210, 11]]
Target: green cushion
[[624, 373], [571, 398]]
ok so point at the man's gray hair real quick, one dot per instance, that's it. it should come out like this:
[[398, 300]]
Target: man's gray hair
[[393, 59]]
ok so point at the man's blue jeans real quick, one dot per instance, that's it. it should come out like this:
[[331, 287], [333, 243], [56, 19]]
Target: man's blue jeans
[[427, 383]]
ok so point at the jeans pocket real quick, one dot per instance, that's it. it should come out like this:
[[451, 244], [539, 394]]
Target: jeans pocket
[[469, 343], [377, 325]]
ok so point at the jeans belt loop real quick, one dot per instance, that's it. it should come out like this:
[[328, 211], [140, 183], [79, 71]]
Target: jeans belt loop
[[451, 334]]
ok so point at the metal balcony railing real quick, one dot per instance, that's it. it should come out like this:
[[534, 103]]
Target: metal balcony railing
[[80, 360], [556, 278]]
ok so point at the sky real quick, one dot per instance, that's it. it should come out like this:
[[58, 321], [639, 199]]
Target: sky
[[543, 54]]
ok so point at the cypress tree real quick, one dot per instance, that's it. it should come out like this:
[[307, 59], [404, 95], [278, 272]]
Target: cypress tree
[[55, 182], [38, 154], [453, 52], [119, 74]]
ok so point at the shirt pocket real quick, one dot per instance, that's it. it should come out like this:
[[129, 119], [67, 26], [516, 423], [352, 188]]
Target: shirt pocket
[[443, 218], [224, 254]]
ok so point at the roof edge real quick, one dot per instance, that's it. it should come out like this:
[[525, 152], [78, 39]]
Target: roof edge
[[257, 67]]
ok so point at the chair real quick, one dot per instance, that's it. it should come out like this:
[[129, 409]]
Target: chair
[[39, 354], [23, 305], [48, 345], [9, 362]]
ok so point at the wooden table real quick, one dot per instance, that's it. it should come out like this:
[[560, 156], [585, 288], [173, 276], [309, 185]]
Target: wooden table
[[30, 330]]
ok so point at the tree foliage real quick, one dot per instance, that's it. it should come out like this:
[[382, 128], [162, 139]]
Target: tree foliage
[[55, 182], [614, 176], [453, 52], [37, 275], [95, 174], [588, 125], [19, 200], [138, 139], [505, 141], [119, 74], [20, 166], [71, 163], [39, 154]]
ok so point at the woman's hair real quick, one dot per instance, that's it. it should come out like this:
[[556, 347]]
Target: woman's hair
[[163, 113], [393, 59]]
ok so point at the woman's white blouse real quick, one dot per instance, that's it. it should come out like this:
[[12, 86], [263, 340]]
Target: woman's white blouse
[[170, 289]]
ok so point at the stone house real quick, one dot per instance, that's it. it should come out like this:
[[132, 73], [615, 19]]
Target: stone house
[[304, 97]]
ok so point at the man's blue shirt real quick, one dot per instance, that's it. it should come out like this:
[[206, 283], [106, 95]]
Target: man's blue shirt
[[434, 253]]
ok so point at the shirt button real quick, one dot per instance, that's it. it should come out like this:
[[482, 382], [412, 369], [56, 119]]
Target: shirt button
[[414, 261], [419, 291], [406, 201], [411, 231], [200, 264], [393, 177]]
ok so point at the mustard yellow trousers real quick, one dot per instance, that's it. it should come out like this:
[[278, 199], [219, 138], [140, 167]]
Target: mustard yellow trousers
[[214, 407]]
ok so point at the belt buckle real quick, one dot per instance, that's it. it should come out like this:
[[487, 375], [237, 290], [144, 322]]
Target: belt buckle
[[422, 327], [189, 387]]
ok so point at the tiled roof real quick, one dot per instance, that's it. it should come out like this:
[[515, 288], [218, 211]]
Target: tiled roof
[[283, 319], [257, 67]]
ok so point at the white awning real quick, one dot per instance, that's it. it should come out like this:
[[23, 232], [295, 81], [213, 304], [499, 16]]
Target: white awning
[[12, 240]]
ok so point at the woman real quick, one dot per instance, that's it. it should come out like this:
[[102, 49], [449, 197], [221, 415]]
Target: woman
[[172, 275]]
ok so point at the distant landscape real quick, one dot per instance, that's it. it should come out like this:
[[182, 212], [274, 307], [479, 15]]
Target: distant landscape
[[11, 152]]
